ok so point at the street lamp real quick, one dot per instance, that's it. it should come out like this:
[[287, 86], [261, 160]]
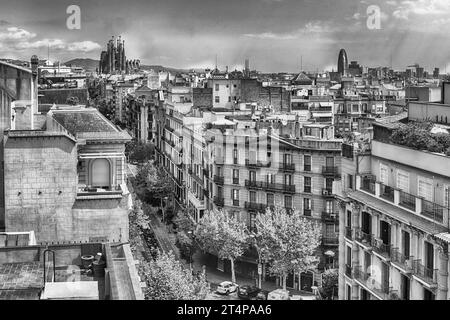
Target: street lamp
[[253, 237], [163, 208], [190, 251]]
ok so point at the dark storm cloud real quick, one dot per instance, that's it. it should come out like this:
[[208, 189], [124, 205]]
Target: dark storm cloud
[[272, 33]]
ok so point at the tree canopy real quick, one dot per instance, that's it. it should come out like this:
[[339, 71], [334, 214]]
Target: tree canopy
[[287, 241], [224, 235], [167, 279]]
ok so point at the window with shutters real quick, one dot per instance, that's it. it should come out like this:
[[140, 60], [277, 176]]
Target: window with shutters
[[446, 196], [307, 163], [425, 188], [329, 206], [270, 199], [383, 174], [252, 195], [307, 184], [288, 202], [403, 180], [307, 204]]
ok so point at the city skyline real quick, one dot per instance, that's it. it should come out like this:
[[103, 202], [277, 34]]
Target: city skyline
[[271, 33]]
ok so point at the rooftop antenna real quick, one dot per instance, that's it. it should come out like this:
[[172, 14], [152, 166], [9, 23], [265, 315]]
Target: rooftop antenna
[[216, 61]]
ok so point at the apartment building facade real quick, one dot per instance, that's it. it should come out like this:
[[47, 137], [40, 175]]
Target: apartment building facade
[[394, 222], [251, 169]]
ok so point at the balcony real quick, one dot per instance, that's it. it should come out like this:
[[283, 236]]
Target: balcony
[[219, 180], [407, 201], [206, 172], [235, 203], [252, 184], [287, 166], [433, 211], [88, 193], [327, 192], [425, 274], [330, 240], [279, 187], [381, 248], [330, 216], [387, 192], [399, 259], [330, 171], [363, 237], [235, 180], [368, 184], [307, 212], [218, 201], [348, 270], [380, 289], [348, 233], [418, 205], [256, 164], [253, 206]]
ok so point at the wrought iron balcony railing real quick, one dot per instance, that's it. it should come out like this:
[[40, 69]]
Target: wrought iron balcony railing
[[348, 233], [253, 206], [426, 274], [363, 237], [368, 184], [381, 248], [330, 170], [330, 216], [386, 192], [405, 262], [219, 179], [218, 201]]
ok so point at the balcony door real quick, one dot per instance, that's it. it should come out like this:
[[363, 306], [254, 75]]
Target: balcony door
[[366, 223], [252, 176], [406, 244], [385, 276], [429, 255], [252, 196], [288, 180], [329, 162], [385, 232], [405, 287]]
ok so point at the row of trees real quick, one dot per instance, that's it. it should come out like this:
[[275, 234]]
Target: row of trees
[[137, 151], [286, 241]]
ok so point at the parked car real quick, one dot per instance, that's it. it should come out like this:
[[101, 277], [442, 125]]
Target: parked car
[[278, 294], [248, 292], [262, 295], [227, 287]]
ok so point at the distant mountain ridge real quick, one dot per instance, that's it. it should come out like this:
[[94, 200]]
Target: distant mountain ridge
[[91, 65]]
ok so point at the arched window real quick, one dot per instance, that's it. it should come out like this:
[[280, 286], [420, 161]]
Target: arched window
[[100, 174]]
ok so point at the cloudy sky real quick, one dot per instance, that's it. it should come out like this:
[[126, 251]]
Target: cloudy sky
[[273, 34]]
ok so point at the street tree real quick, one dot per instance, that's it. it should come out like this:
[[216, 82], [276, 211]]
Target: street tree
[[288, 241], [222, 234], [330, 280], [167, 279], [153, 183]]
